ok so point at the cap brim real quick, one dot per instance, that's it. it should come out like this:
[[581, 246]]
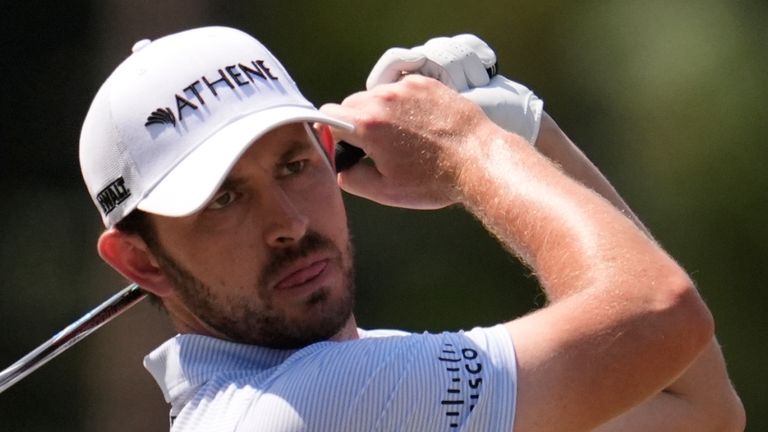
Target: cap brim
[[194, 180]]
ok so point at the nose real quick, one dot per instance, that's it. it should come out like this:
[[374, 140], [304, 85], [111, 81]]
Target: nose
[[285, 224]]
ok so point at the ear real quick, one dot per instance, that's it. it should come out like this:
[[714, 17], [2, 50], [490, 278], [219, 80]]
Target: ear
[[130, 255]]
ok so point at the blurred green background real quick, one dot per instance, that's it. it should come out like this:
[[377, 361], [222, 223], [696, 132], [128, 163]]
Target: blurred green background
[[667, 97]]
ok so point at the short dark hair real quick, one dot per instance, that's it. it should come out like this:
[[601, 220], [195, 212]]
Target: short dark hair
[[138, 223]]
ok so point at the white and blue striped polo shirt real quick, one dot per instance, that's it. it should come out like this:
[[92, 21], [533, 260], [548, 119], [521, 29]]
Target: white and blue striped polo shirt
[[385, 381]]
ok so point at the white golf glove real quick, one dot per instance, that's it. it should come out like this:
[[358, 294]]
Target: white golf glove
[[510, 105], [466, 64], [460, 62]]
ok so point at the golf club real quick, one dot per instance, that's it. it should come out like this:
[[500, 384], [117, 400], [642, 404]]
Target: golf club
[[72, 334]]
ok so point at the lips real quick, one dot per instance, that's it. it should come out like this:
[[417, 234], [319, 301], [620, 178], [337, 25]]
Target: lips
[[301, 275]]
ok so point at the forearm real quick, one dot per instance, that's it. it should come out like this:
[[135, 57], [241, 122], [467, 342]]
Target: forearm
[[614, 287], [702, 398], [617, 299], [553, 143], [570, 237]]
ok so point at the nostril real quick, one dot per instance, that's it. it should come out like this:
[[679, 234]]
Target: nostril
[[284, 240]]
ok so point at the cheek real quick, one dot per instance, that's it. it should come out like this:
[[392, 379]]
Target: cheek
[[326, 208], [223, 260]]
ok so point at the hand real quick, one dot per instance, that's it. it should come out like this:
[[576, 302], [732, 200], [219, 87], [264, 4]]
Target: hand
[[419, 133], [510, 105], [462, 62]]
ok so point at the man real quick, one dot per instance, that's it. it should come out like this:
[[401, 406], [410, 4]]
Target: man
[[220, 199]]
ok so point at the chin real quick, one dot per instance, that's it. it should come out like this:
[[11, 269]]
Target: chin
[[323, 316]]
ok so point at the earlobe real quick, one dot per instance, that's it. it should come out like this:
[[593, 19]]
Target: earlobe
[[131, 257]]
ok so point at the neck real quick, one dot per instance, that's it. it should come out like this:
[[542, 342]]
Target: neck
[[187, 322], [348, 332]]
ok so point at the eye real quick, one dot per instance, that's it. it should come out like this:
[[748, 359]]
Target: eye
[[222, 199], [293, 167]]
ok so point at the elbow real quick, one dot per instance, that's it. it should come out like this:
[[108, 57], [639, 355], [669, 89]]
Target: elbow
[[739, 423], [734, 419], [694, 331], [727, 416], [739, 420], [688, 319]]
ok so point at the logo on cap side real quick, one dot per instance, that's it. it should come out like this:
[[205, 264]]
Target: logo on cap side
[[161, 116], [112, 195], [227, 77]]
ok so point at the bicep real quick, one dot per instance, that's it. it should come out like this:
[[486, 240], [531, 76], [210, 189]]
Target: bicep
[[580, 359], [663, 412], [701, 399]]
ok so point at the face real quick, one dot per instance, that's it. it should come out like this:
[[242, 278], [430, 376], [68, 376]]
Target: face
[[268, 261]]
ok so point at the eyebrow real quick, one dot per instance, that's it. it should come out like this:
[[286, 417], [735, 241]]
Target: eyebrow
[[230, 183], [295, 148]]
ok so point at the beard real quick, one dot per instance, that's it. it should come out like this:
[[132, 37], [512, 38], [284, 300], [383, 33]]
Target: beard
[[256, 320]]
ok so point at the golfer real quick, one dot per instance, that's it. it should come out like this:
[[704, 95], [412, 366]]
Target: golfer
[[215, 180]]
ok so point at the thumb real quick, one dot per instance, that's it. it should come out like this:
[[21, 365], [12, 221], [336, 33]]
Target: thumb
[[391, 65]]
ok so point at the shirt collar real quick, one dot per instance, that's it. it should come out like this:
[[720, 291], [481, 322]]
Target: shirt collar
[[184, 363]]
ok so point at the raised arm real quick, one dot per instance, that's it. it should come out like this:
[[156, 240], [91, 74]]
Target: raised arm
[[702, 399], [624, 319]]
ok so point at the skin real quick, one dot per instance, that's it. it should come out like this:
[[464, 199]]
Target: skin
[[625, 324], [702, 398], [236, 270], [624, 320]]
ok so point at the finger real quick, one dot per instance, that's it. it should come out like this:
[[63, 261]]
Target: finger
[[477, 58], [474, 71], [362, 180], [345, 155], [484, 54], [479, 47], [392, 64], [342, 113], [463, 65], [437, 71], [442, 52]]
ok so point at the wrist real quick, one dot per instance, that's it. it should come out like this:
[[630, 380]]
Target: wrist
[[488, 161], [549, 139]]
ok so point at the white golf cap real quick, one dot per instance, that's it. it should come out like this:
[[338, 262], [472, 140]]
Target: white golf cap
[[170, 122]]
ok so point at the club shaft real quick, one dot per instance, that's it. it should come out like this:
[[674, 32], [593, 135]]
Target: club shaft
[[70, 335]]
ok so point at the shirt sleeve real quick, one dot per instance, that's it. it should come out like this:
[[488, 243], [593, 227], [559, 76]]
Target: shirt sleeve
[[464, 381]]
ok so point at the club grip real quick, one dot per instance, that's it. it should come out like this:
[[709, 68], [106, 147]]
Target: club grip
[[347, 155]]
